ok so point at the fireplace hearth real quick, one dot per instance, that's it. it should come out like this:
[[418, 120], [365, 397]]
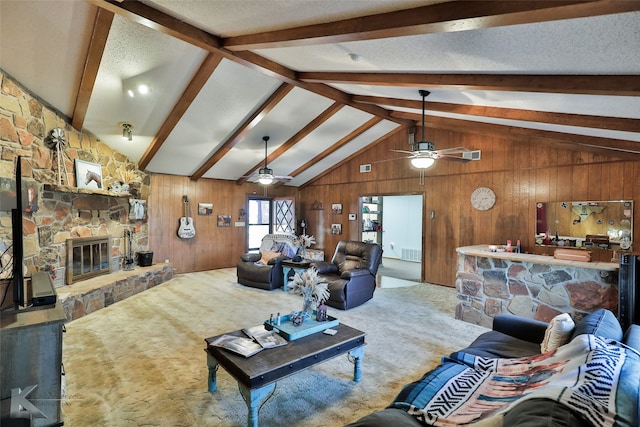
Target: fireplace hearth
[[88, 257]]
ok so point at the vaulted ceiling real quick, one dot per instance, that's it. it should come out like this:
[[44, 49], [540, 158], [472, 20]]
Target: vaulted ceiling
[[325, 79]]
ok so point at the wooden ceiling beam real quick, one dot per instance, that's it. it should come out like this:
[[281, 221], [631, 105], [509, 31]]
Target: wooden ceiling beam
[[380, 140], [190, 93], [565, 119], [157, 20], [318, 82], [436, 18], [622, 85], [97, 43], [338, 145], [244, 128], [299, 136], [160, 21], [265, 66], [607, 146]]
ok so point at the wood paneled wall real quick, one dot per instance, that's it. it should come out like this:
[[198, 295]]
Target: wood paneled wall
[[520, 172], [213, 246]]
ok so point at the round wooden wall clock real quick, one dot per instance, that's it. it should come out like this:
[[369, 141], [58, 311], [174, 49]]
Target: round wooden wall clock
[[483, 198]]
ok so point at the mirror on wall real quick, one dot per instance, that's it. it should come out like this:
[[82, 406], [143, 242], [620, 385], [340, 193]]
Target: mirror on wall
[[595, 224]]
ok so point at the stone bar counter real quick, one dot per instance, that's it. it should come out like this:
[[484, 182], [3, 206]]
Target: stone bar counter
[[534, 286]]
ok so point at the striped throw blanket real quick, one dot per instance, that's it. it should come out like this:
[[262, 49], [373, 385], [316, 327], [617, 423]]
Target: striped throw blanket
[[597, 378]]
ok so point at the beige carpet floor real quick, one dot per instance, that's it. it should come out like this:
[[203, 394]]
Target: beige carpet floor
[[140, 362]]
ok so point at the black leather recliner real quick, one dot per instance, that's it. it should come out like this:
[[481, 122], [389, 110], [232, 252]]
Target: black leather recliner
[[351, 274]]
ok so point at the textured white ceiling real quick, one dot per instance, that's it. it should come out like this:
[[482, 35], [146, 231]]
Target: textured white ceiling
[[228, 18], [600, 45], [47, 57]]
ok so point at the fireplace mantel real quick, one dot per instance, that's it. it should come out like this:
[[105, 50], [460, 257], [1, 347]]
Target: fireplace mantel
[[75, 190]]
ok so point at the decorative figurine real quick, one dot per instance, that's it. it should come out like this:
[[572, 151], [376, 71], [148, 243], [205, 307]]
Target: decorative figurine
[[297, 318], [321, 312]]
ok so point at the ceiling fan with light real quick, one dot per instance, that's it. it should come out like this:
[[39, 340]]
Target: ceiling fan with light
[[423, 153], [265, 175]]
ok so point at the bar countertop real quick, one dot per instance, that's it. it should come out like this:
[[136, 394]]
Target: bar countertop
[[484, 251]]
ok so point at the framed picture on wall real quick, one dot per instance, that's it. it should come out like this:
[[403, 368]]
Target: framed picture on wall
[[336, 228], [205, 208], [336, 208], [88, 175], [224, 220], [137, 208]]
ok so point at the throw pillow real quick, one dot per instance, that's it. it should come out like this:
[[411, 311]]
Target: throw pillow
[[268, 256], [558, 332]]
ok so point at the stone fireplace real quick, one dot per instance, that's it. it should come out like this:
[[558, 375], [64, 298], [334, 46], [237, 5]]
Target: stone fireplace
[[79, 233], [88, 257], [60, 210]]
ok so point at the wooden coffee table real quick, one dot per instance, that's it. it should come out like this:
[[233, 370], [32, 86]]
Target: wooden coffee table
[[257, 375]]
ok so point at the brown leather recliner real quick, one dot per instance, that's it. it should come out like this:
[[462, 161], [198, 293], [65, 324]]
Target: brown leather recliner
[[351, 274]]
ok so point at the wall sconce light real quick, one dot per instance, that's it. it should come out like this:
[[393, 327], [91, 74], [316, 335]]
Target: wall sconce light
[[127, 132]]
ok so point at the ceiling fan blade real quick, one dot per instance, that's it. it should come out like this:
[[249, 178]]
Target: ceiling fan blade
[[452, 150], [403, 151], [283, 177], [453, 158], [395, 158]]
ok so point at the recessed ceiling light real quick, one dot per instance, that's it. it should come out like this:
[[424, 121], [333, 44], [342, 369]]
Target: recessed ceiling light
[[143, 89]]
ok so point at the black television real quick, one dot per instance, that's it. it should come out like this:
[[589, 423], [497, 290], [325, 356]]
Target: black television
[[18, 242]]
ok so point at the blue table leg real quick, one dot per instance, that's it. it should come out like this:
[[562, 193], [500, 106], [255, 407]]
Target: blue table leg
[[254, 400], [357, 354], [212, 381], [285, 271]]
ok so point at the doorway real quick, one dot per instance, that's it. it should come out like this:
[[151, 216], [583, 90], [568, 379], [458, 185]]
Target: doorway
[[401, 220]]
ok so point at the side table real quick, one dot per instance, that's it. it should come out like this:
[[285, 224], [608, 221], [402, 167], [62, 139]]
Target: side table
[[297, 267]]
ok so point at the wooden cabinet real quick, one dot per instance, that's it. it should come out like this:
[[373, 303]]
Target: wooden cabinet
[[31, 343], [371, 208]]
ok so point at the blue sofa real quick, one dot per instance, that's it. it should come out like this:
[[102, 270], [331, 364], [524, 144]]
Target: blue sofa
[[516, 337]]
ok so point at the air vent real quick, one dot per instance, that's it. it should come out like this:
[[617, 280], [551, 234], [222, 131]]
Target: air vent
[[365, 168], [471, 155]]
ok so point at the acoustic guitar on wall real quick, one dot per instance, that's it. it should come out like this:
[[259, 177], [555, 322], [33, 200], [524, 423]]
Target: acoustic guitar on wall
[[186, 229]]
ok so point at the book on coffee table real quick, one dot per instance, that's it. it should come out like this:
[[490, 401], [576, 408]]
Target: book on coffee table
[[240, 345], [266, 339]]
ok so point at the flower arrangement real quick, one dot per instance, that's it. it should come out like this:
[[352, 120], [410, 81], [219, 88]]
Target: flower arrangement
[[307, 240], [128, 176], [309, 285]]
